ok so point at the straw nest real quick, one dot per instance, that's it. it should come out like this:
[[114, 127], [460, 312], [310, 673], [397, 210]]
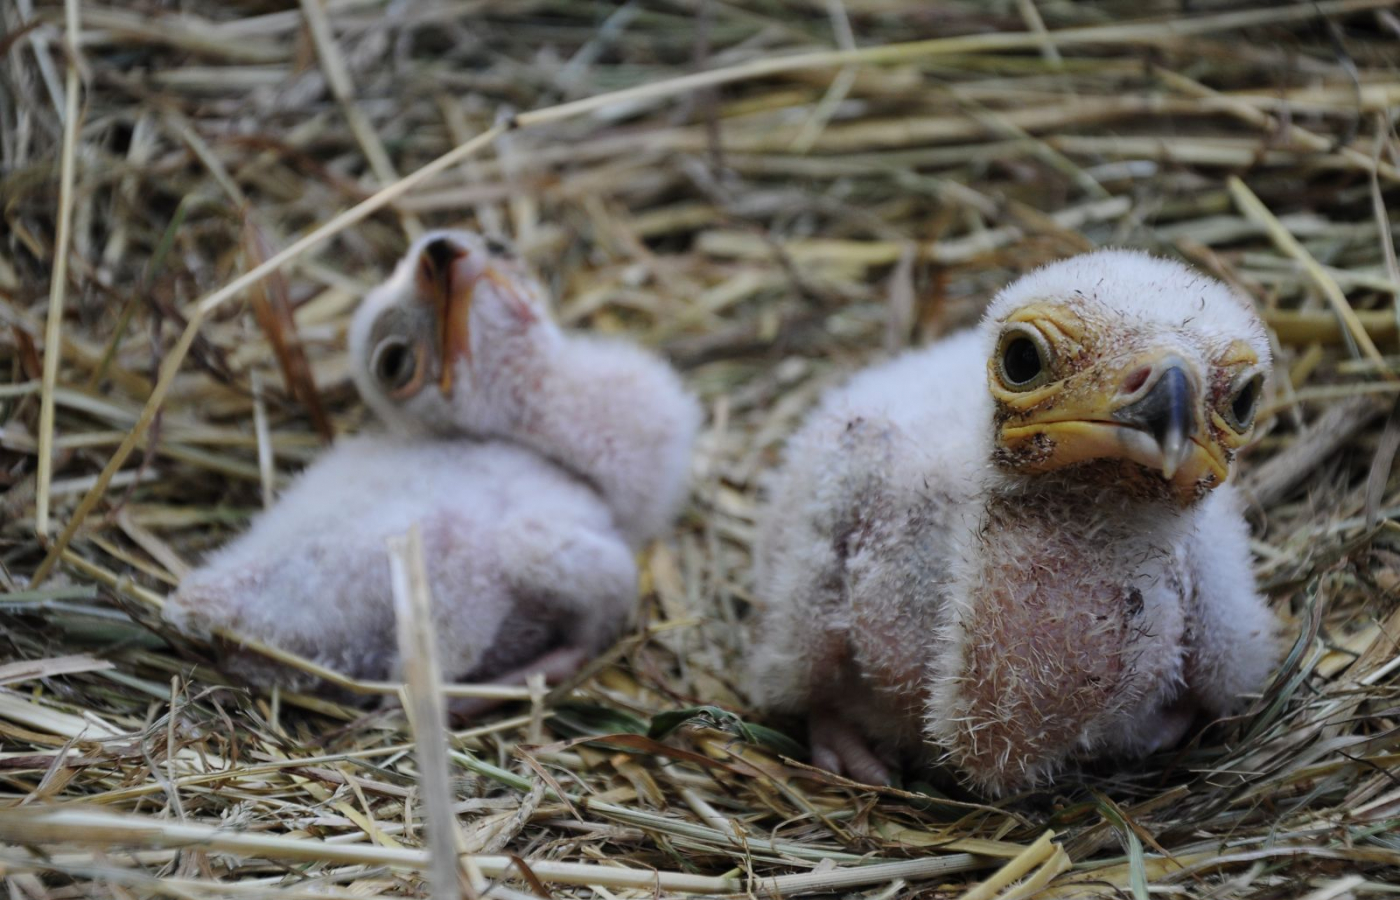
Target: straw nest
[[773, 193]]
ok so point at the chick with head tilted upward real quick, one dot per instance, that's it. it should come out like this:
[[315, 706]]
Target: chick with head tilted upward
[[1017, 547], [607, 411], [528, 531]]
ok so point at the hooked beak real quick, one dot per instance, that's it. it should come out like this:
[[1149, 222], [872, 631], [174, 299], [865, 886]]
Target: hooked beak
[[446, 283], [1165, 411], [1147, 409]]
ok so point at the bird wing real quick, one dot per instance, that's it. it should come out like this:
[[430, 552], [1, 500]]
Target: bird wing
[[848, 550], [1233, 639]]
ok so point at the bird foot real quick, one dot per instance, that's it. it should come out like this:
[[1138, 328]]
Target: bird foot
[[556, 666], [840, 748]]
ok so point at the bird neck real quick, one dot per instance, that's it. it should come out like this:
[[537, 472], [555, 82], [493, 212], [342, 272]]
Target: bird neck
[[1081, 522], [1122, 496], [615, 418]]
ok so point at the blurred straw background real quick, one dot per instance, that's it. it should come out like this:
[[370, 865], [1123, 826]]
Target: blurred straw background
[[778, 192]]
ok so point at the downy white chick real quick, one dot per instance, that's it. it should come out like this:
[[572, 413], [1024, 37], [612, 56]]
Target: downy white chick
[[531, 567], [526, 569], [460, 342], [1016, 547]]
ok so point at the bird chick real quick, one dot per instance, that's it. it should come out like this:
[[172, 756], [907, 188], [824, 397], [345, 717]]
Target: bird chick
[[459, 342], [577, 452], [1017, 547], [526, 569]]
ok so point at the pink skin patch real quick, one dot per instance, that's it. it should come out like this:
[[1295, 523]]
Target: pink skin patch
[[1057, 649], [1045, 657]]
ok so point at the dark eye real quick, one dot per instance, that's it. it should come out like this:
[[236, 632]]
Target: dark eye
[[1244, 403], [395, 365], [1022, 359]]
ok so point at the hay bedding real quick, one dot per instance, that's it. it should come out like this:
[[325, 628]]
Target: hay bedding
[[771, 228]]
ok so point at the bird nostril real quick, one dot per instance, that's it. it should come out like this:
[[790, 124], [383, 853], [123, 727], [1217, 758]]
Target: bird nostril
[[1134, 382]]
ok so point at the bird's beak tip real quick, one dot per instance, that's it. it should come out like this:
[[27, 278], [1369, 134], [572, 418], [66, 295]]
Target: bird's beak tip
[[1175, 447], [441, 252], [1166, 411]]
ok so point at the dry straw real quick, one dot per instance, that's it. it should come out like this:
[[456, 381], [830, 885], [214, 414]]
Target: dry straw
[[773, 194]]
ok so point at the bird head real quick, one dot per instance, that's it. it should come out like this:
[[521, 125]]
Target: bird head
[[443, 343], [1120, 359]]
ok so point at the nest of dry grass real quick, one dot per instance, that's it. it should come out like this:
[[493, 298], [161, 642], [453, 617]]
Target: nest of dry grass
[[773, 193]]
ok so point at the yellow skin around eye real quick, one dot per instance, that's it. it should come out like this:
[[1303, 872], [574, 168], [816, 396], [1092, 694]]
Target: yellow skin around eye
[[1238, 362], [1070, 418]]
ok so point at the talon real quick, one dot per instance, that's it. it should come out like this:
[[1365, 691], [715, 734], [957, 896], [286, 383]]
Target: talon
[[841, 749]]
